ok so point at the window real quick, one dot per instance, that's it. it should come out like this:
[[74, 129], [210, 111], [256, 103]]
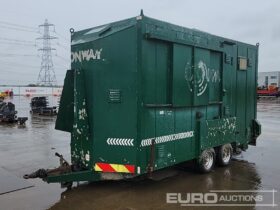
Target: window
[[242, 63], [266, 81], [273, 77], [274, 84]]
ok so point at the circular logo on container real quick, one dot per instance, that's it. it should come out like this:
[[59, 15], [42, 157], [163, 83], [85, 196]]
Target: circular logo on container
[[198, 79], [189, 76]]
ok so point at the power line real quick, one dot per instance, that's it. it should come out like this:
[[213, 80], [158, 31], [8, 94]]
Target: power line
[[63, 37], [16, 72], [63, 47], [19, 29], [12, 65], [17, 25], [16, 40], [17, 43], [14, 81], [62, 58], [12, 55], [3, 71]]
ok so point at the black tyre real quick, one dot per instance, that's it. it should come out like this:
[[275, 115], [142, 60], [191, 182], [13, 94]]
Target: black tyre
[[224, 155], [206, 160]]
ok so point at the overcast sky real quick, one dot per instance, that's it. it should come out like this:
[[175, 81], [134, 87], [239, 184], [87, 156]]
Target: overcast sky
[[249, 21]]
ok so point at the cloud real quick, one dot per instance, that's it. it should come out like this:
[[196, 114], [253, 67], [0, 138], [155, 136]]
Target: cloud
[[246, 21]]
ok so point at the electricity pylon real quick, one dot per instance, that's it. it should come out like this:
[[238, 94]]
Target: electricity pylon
[[47, 74]]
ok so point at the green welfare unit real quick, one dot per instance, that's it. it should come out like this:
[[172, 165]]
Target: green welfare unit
[[143, 95]]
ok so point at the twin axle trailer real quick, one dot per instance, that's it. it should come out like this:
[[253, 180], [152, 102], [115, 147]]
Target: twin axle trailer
[[143, 95]]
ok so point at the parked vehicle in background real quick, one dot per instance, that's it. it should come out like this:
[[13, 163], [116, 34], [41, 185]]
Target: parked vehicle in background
[[271, 90], [8, 114], [39, 105]]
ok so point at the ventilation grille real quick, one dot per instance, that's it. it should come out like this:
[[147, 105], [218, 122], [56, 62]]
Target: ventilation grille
[[114, 96], [228, 59]]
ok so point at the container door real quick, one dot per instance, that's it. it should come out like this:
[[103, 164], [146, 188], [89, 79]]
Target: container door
[[182, 91], [251, 92], [164, 151], [182, 96], [241, 95], [229, 80]]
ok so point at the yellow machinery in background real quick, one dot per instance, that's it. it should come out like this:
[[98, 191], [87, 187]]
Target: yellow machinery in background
[[3, 95]]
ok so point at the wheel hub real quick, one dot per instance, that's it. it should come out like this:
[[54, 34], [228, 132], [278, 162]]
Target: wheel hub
[[226, 154], [208, 160]]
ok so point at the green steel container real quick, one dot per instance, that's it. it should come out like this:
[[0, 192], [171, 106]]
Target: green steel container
[[143, 95]]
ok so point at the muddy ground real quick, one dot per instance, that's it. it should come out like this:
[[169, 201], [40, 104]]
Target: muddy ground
[[25, 149]]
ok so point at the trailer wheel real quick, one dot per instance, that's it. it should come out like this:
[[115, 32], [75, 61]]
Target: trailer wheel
[[224, 154], [206, 160]]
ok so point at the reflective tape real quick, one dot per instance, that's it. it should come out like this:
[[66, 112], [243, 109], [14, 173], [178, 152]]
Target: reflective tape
[[167, 138], [120, 141], [114, 168]]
